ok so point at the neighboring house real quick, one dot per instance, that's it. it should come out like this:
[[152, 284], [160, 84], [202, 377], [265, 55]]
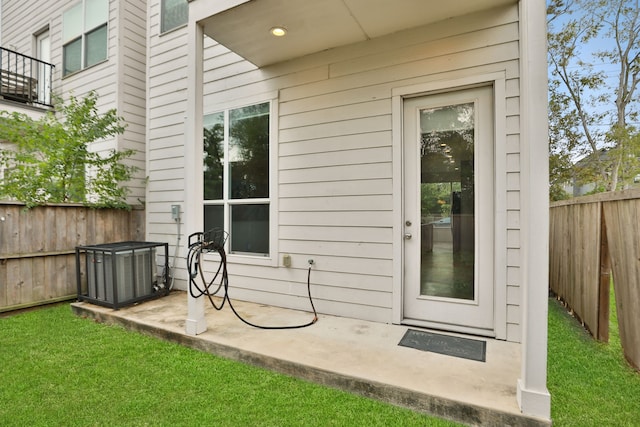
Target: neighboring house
[[97, 45], [25, 83], [577, 187], [326, 144]]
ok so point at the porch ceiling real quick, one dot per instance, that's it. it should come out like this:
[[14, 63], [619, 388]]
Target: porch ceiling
[[316, 25]]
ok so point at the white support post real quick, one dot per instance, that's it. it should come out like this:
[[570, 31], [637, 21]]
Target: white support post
[[196, 322], [533, 397]]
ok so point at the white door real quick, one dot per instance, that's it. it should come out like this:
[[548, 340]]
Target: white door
[[448, 225], [43, 53]]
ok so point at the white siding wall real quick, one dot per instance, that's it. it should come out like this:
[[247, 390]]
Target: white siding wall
[[334, 153], [119, 81], [132, 88], [166, 107]]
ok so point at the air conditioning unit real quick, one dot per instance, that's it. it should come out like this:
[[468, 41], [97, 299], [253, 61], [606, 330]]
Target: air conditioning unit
[[120, 274]]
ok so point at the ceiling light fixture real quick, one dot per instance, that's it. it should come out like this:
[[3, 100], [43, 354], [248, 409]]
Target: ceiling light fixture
[[278, 31]]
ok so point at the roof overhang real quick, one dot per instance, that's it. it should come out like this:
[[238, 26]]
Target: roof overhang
[[243, 26]]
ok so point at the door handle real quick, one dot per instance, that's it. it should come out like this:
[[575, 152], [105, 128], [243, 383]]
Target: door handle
[[407, 236]]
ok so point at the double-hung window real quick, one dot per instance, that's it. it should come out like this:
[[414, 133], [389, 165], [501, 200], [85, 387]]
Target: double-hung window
[[236, 177], [84, 35]]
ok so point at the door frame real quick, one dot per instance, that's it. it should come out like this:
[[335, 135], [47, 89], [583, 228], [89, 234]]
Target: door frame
[[498, 81], [435, 311]]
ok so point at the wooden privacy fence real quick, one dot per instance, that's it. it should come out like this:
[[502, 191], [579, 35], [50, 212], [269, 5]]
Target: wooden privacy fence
[[591, 238], [37, 248]]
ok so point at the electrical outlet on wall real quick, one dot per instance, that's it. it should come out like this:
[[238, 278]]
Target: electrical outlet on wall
[[286, 260]]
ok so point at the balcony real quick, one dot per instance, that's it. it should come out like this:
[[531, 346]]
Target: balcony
[[25, 79]]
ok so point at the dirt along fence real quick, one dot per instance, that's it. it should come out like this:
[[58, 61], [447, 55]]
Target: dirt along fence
[[592, 238], [37, 248]]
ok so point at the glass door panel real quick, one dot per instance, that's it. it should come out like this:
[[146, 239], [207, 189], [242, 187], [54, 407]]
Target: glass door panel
[[447, 201]]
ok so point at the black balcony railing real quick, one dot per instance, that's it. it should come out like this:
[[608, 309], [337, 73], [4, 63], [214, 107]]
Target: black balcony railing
[[25, 79]]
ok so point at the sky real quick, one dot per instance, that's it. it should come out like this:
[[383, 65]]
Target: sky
[[611, 70]]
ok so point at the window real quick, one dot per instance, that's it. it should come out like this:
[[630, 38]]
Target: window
[[236, 177], [174, 14], [84, 35]]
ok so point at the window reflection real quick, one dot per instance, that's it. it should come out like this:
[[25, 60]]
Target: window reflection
[[447, 201], [250, 229], [213, 156], [249, 152]]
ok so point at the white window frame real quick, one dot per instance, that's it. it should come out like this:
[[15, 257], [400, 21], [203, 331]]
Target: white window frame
[[83, 36], [246, 258]]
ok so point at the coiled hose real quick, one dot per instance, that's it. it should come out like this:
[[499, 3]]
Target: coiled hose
[[213, 241]]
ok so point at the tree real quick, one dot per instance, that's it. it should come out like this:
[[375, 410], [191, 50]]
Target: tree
[[49, 161], [589, 118]]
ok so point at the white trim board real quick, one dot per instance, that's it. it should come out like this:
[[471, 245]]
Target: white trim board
[[498, 81]]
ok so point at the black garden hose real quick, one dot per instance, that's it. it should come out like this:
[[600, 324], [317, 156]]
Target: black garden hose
[[213, 241]]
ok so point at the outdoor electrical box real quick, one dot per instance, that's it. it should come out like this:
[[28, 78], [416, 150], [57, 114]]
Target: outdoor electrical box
[[175, 212], [121, 274]]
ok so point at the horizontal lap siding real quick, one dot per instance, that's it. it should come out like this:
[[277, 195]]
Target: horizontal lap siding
[[20, 21], [166, 106], [336, 201], [101, 78], [132, 60], [335, 170], [338, 196], [514, 277]]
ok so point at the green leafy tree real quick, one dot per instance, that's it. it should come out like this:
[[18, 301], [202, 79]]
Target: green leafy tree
[[591, 118], [48, 160]]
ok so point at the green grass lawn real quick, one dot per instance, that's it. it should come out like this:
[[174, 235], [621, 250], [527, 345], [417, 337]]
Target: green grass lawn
[[62, 370], [590, 382]]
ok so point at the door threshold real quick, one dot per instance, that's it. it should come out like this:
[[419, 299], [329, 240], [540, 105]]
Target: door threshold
[[449, 328]]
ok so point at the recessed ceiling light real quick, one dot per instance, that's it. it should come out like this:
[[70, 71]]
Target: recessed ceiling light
[[279, 31]]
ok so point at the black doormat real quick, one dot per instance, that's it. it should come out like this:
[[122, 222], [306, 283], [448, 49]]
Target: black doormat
[[445, 344]]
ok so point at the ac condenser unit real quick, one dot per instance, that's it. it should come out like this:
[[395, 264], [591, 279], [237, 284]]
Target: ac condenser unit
[[119, 274]]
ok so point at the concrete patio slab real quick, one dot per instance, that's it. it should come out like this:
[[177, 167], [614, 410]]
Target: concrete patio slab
[[354, 355]]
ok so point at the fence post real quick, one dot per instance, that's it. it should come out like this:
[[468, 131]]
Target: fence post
[[605, 281]]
